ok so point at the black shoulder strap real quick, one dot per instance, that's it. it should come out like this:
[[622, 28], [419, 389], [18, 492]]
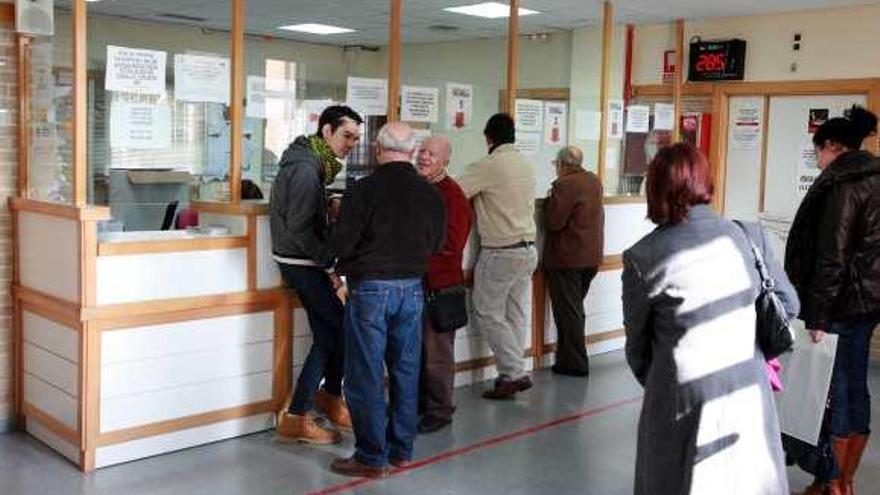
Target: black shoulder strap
[[766, 280]]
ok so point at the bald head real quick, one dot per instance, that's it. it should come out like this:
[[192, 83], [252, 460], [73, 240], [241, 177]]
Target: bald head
[[570, 157], [434, 157], [394, 143]]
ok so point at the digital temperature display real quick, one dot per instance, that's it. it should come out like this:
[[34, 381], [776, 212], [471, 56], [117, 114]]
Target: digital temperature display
[[717, 60]]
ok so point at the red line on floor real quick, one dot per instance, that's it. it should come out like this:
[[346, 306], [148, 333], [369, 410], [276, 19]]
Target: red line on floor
[[507, 437]]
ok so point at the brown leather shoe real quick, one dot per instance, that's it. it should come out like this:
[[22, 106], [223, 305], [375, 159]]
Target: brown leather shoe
[[816, 488], [523, 384], [399, 463], [334, 407], [503, 390], [303, 428], [352, 467]]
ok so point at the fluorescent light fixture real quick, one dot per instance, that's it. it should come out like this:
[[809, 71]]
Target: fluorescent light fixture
[[489, 10], [313, 28]]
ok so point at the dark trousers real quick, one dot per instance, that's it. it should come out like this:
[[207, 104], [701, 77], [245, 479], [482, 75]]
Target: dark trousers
[[325, 313], [568, 288], [850, 399], [383, 330], [438, 372]]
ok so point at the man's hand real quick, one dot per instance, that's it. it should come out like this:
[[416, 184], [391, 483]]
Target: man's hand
[[333, 207], [816, 335], [335, 281]]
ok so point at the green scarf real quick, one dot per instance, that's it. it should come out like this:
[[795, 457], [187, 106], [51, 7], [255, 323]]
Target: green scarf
[[329, 162]]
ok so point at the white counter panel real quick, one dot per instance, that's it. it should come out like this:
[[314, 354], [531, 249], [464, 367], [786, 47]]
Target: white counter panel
[[178, 440], [301, 346], [129, 411], [154, 341], [144, 277], [178, 370], [50, 399], [268, 274], [301, 326], [624, 225], [44, 333], [48, 250], [51, 369], [58, 444]]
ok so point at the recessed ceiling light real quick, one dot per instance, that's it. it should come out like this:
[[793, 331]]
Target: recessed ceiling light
[[489, 10], [312, 28]]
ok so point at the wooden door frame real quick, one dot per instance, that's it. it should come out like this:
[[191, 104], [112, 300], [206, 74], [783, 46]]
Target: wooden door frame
[[722, 93]]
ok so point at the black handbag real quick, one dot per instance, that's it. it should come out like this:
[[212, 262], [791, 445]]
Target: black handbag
[[773, 329], [447, 308]]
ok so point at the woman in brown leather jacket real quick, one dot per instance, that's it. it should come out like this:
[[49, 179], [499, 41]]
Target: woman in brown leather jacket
[[833, 260]]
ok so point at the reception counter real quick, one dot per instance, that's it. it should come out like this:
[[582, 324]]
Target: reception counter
[[130, 345]]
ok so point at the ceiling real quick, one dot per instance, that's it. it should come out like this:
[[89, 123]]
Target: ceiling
[[425, 21]]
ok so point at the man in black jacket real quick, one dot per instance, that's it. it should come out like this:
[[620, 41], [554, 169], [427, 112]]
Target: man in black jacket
[[301, 246], [390, 223]]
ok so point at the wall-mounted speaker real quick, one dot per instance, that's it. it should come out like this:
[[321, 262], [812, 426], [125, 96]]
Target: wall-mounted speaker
[[35, 17]]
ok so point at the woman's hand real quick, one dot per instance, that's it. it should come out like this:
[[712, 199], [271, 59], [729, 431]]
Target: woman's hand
[[816, 335]]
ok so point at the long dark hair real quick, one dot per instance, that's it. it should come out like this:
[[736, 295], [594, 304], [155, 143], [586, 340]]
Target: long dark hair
[[848, 132]]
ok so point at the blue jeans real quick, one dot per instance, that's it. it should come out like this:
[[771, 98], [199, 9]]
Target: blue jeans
[[850, 399], [325, 313], [383, 327]]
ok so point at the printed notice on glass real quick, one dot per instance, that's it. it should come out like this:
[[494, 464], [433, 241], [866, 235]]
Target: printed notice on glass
[[528, 143], [201, 78], [132, 70], [419, 104], [138, 126], [459, 106], [588, 123], [529, 115], [664, 117], [747, 128], [367, 96], [638, 119], [555, 123], [270, 98], [313, 110], [615, 119], [808, 168]]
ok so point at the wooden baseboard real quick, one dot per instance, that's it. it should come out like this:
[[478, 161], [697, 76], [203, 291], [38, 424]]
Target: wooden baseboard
[[177, 424], [66, 433], [595, 338]]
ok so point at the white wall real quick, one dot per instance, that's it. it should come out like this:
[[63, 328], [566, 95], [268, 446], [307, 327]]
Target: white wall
[[837, 44]]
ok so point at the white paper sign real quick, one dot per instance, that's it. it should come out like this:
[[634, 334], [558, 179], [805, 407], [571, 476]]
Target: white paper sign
[[588, 123], [528, 143], [138, 126], [664, 117], [529, 115], [201, 78], [419, 104], [747, 128], [638, 119], [808, 169], [133, 70], [270, 98], [367, 96], [459, 106], [313, 110], [555, 123], [615, 119]]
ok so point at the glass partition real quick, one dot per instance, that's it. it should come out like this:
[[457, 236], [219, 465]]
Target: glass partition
[[299, 60], [50, 128], [158, 102]]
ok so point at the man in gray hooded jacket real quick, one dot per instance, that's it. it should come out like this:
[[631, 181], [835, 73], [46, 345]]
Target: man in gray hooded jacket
[[300, 227]]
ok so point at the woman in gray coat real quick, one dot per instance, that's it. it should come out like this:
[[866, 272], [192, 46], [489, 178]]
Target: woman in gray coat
[[708, 422]]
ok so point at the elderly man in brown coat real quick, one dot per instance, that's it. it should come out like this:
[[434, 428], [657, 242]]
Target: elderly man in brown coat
[[574, 220]]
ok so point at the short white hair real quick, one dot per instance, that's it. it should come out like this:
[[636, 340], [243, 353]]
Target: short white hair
[[403, 144]]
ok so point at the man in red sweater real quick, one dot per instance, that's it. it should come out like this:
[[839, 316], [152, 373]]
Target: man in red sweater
[[444, 271]]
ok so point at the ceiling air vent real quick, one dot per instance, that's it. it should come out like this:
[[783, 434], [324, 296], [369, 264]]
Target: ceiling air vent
[[182, 17]]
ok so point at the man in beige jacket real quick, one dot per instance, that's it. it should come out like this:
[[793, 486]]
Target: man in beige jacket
[[502, 188]]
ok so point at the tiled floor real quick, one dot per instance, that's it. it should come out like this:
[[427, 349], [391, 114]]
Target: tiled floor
[[565, 436]]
